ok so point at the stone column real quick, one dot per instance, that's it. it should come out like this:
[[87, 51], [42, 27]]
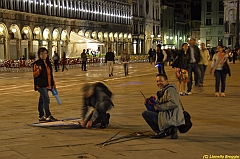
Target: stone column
[[18, 48], [6, 49], [50, 48], [30, 49], [59, 48]]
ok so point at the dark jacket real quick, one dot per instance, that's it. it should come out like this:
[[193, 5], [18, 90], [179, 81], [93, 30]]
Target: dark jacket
[[109, 56], [181, 60], [196, 53], [42, 79]]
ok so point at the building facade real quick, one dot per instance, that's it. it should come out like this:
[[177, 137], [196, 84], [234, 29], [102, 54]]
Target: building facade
[[64, 25], [212, 23], [146, 31], [230, 12]]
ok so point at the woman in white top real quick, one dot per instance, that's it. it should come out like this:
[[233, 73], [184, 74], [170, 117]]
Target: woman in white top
[[220, 75]]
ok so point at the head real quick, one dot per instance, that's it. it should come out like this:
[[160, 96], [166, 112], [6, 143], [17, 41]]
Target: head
[[109, 49], [202, 45], [162, 80], [124, 51], [220, 48], [84, 50], [87, 90], [192, 41], [184, 46], [42, 53], [158, 48]]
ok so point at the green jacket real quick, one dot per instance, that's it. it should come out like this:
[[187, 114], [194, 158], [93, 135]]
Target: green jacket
[[170, 108]]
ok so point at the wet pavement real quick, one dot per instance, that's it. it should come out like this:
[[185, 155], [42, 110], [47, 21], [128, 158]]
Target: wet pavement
[[215, 131]]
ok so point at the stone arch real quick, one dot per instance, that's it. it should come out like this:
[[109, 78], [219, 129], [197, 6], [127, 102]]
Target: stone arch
[[94, 35], [26, 33], [47, 34], [15, 32], [37, 33], [130, 37], [125, 37], [56, 34], [100, 36], [88, 34], [106, 36], [111, 38], [3, 30], [120, 37], [81, 32], [116, 36], [64, 35], [232, 28]]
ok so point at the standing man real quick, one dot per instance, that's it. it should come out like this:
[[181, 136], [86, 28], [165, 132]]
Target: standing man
[[170, 113], [194, 52], [84, 60], [64, 62], [110, 59], [161, 56], [56, 61], [150, 56], [125, 60]]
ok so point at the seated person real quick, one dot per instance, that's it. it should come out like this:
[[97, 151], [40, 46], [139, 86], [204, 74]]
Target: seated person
[[170, 113], [97, 96]]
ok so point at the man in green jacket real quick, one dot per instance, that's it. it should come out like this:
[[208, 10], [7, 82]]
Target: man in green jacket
[[170, 112]]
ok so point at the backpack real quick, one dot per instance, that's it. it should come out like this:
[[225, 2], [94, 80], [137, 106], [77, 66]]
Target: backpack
[[188, 124]]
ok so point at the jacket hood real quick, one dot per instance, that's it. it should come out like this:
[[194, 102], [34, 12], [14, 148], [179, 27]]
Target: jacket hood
[[167, 86]]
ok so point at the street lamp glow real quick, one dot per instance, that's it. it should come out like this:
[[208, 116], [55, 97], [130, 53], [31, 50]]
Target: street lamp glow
[[152, 36], [1, 29], [14, 30], [25, 31]]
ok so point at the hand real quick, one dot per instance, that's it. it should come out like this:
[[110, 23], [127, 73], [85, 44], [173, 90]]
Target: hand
[[89, 124], [82, 123], [156, 107]]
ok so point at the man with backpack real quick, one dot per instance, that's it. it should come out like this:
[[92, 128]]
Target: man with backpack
[[161, 56]]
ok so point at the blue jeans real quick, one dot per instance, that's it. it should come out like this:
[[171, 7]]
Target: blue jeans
[[161, 69], [220, 76], [193, 67], [202, 70], [125, 67], [152, 119], [43, 103]]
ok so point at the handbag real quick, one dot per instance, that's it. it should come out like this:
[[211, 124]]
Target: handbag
[[175, 62], [226, 68], [188, 124]]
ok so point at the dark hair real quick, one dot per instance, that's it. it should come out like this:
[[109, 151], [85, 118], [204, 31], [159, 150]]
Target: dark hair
[[184, 44], [162, 75], [42, 49], [159, 45]]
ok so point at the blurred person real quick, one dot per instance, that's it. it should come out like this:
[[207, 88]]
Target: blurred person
[[220, 75], [181, 63], [43, 82], [56, 61], [110, 60], [234, 54], [194, 53], [204, 58], [170, 113], [84, 60], [150, 56], [161, 57], [98, 97], [125, 58], [64, 62]]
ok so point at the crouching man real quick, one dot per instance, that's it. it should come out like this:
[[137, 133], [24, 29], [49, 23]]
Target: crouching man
[[170, 113], [96, 102]]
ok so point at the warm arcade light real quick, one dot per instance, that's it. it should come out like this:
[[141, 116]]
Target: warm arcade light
[[129, 36], [25, 31], [159, 36], [111, 34], [152, 36], [167, 37], [37, 32], [171, 37], [14, 30], [55, 33], [180, 38], [1, 29]]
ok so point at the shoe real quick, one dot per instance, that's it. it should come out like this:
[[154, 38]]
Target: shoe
[[159, 136], [51, 119], [223, 94], [108, 117], [216, 94], [109, 75], [189, 93], [103, 126], [181, 94], [200, 85], [173, 132], [85, 70], [185, 93], [43, 118]]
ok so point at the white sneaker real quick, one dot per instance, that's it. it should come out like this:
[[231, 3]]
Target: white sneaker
[[189, 93]]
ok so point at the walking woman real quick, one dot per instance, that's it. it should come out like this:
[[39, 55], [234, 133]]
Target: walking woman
[[181, 64], [220, 75], [43, 82], [125, 60], [204, 58]]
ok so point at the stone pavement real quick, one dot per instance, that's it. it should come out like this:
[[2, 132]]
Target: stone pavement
[[215, 131]]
